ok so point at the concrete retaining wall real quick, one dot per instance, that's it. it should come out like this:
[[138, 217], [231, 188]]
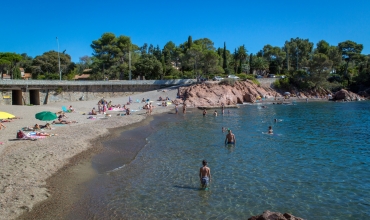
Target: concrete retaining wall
[[44, 91]]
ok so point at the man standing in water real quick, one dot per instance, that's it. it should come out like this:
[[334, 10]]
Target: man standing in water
[[205, 175], [230, 138]]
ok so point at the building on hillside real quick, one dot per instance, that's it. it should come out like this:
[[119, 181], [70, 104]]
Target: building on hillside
[[82, 77], [24, 75]]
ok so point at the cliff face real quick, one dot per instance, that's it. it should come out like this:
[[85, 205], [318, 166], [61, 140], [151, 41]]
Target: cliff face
[[213, 94]]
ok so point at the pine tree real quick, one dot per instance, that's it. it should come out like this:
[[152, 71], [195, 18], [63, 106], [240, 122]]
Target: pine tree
[[190, 42], [250, 63], [224, 65]]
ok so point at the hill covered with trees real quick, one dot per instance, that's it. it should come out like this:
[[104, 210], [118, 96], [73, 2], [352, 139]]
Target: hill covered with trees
[[303, 64]]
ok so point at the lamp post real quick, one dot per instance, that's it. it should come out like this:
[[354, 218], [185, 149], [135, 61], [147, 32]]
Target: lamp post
[[60, 73]]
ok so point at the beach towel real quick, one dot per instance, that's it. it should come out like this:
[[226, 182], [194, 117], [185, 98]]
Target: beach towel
[[64, 109]]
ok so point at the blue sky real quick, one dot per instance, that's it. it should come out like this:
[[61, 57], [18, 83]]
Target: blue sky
[[32, 26]]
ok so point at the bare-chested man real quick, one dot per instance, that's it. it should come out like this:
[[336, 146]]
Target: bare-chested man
[[230, 138], [205, 175]]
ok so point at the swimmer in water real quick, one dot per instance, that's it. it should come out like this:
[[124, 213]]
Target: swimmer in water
[[270, 130], [215, 113], [230, 138], [205, 175], [204, 112]]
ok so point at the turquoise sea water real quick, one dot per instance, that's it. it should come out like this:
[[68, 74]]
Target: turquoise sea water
[[315, 166]]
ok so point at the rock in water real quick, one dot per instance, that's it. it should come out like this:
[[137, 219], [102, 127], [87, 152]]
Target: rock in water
[[267, 215]]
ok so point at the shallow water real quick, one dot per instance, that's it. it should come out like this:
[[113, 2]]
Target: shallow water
[[315, 166]]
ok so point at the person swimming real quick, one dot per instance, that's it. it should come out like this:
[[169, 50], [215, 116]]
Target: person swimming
[[270, 130]]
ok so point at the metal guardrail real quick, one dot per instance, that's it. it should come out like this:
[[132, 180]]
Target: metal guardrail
[[93, 83]]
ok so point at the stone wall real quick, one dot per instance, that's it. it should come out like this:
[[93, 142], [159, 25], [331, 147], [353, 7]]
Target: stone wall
[[57, 92]]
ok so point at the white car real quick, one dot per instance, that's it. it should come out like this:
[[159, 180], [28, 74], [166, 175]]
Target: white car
[[232, 77], [218, 78]]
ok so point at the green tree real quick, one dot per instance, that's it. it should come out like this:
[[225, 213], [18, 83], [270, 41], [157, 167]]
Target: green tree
[[298, 50], [47, 65], [149, 67], [322, 47], [351, 51], [319, 68], [210, 61], [275, 56], [224, 64], [112, 55], [260, 64], [8, 62]]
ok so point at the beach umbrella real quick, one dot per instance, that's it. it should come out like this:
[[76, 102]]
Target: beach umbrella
[[5, 115], [46, 116]]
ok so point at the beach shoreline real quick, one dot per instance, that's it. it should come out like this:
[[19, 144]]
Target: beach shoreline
[[26, 165]]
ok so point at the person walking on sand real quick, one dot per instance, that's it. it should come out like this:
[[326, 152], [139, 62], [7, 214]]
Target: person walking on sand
[[230, 138], [205, 175]]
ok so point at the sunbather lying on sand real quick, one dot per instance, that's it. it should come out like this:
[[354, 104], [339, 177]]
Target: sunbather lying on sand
[[60, 121], [46, 126], [7, 120], [44, 134]]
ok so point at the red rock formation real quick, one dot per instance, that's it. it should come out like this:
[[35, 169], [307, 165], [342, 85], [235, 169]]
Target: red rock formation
[[213, 94], [267, 215], [345, 95]]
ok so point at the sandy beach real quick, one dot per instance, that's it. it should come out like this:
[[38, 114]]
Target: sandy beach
[[26, 165]]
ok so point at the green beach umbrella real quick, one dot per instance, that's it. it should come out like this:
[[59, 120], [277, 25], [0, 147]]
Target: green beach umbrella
[[46, 116]]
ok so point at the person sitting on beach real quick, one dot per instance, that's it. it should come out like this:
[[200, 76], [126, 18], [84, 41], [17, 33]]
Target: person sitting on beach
[[160, 98], [70, 108], [205, 175], [93, 112], [270, 130], [230, 138], [128, 111], [143, 100], [2, 126]]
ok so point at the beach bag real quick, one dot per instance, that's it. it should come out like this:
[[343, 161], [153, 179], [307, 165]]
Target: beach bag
[[20, 134]]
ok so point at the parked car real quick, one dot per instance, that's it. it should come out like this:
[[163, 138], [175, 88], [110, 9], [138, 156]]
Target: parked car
[[271, 76], [232, 77], [217, 78], [259, 76]]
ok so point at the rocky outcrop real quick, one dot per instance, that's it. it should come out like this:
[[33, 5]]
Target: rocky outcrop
[[267, 215], [344, 95], [213, 94]]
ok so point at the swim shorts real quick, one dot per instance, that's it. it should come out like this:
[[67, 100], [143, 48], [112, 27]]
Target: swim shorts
[[230, 143], [205, 181]]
